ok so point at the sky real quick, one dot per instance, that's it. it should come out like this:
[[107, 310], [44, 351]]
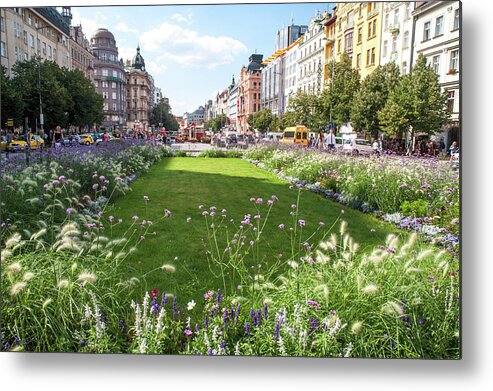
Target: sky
[[193, 51]]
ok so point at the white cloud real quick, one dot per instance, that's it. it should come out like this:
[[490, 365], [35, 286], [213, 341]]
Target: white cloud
[[89, 26], [190, 49], [123, 27], [182, 18], [126, 53], [155, 68]]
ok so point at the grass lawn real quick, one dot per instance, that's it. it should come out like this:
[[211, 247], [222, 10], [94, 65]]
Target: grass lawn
[[182, 184]]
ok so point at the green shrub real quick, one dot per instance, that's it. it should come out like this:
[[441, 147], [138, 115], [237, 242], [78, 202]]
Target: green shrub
[[418, 208]]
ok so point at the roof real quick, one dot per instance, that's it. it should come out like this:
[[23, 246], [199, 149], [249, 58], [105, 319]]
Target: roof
[[280, 52], [103, 33], [138, 61]]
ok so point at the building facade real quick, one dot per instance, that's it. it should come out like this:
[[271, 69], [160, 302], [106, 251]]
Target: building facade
[[437, 37], [290, 86], [109, 79], [139, 94], [397, 34], [311, 56], [249, 87], [80, 51], [272, 81], [288, 35], [233, 105], [196, 117], [29, 32]]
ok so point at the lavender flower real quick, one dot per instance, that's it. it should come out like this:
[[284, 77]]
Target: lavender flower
[[301, 223], [247, 329]]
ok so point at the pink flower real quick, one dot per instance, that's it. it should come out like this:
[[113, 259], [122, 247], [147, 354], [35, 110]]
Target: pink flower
[[56, 182], [167, 213], [270, 202], [135, 218], [301, 223], [187, 332], [95, 186], [281, 226], [259, 201], [208, 295], [274, 198], [313, 304]]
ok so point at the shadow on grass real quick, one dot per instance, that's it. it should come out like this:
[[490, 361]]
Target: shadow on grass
[[182, 184]]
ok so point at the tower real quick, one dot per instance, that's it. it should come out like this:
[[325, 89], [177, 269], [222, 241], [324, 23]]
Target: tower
[[67, 15]]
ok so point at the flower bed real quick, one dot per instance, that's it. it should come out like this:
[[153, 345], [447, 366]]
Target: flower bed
[[420, 195]]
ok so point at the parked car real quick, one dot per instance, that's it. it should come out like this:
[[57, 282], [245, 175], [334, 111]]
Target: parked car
[[86, 139], [355, 146], [21, 144]]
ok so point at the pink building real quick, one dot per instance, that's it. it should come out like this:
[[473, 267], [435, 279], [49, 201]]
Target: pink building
[[249, 91]]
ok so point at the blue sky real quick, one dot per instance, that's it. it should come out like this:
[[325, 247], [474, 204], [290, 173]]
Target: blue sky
[[193, 51]]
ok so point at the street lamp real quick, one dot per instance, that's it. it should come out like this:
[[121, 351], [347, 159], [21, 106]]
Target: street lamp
[[41, 117]]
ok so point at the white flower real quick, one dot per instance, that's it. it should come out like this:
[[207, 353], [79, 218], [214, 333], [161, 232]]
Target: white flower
[[191, 305]]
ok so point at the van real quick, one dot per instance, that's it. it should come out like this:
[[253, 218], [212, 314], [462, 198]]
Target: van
[[295, 135]]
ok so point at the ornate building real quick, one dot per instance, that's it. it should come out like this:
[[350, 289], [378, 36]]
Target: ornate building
[[139, 93], [249, 87], [109, 78]]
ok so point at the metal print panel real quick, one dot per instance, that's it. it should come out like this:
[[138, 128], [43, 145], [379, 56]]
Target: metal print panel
[[243, 179]]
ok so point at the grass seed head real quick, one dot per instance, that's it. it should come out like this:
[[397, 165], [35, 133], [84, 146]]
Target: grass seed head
[[17, 288]]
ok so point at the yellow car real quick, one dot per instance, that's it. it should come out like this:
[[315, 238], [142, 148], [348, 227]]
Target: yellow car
[[86, 139], [19, 145], [295, 135]]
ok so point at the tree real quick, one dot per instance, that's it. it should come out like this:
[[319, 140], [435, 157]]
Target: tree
[[262, 120], [372, 96], [338, 98], [161, 114], [417, 103], [12, 103]]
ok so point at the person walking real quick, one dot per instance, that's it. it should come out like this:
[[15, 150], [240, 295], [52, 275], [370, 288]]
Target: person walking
[[331, 140], [376, 147], [58, 137]]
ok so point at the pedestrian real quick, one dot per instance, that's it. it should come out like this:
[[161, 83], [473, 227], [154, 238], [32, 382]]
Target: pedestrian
[[453, 148], [58, 137], [376, 147], [331, 140]]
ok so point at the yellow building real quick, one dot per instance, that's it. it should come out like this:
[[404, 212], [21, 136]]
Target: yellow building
[[355, 28]]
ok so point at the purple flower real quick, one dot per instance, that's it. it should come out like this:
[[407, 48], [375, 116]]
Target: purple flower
[[45, 186], [313, 304], [431, 278], [219, 297], [293, 206], [142, 237], [422, 320], [299, 185], [56, 182], [258, 201], [281, 226], [247, 328], [102, 178], [135, 218], [277, 331], [313, 325], [62, 178], [391, 250], [208, 295], [187, 332], [274, 198], [118, 179], [252, 243], [212, 208], [205, 213], [301, 223], [95, 186], [270, 202], [69, 211], [104, 188], [111, 218], [167, 213]]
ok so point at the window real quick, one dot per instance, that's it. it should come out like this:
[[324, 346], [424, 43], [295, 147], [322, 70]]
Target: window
[[404, 68], [450, 101], [405, 44], [385, 48], [2, 24], [105, 95], [349, 42], [31, 40], [350, 18], [372, 29], [49, 51], [454, 60], [113, 95], [370, 6], [105, 107], [439, 26], [427, 31], [387, 19], [339, 46], [436, 64], [396, 17], [373, 56], [360, 10], [113, 84], [3, 50], [115, 73], [104, 84], [358, 61], [456, 19], [394, 43], [105, 72], [408, 10], [360, 34], [114, 106], [368, 57], [25, 37], [54, 54]]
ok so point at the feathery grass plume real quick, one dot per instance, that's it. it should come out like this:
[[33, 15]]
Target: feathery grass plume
[[356, 327], [354, 247], [87, 277], [325, 245], [46, 303], [168, 268], [13, 241], [392, 241], [27, 276], [284, 280], [258, 277], [320, 257], [267, 301], [333, 241], [392, 308], [115, 242], [359, 281], [100, 240], [410, 243], [425, 254], [73, 268], [325, 291], [347, 257], [62, 284], [343, 228], [445, 269], [5, 254], [68, 229], [413, 270], [370, 289], [108, 255], [293, 264], [269, 285], [13, 268], [68, 243], [439, 255], [17, 288], [38, 234]]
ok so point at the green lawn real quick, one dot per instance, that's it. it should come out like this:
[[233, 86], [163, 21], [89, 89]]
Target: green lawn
[[182, 184]]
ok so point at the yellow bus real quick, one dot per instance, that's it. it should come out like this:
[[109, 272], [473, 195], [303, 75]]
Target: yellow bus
[[295, 135]]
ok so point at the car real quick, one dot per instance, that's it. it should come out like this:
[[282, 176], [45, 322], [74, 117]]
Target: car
[[355, 146], [231, 141], [86, 139], [21, 144]]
